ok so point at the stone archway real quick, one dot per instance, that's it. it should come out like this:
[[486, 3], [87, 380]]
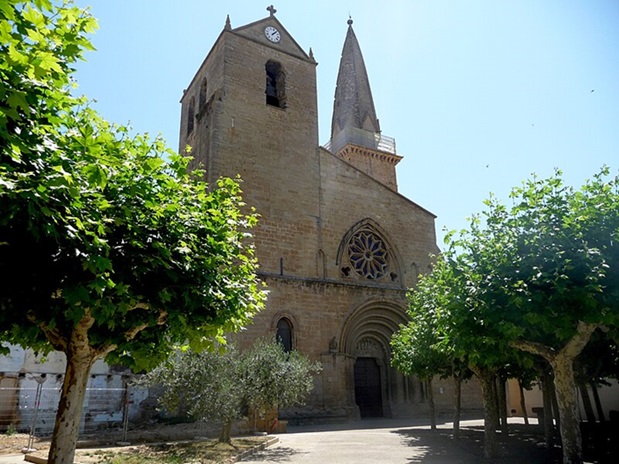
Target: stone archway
[[375, 388]]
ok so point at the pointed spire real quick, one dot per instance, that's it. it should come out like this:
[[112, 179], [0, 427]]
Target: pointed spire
[[311, 54], [353, 106], [228, 25]]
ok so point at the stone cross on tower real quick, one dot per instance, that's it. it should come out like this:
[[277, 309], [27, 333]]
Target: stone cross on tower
[[271, 9]]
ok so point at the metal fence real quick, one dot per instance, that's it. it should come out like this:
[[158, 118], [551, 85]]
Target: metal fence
[[29, 402], [361, 137]]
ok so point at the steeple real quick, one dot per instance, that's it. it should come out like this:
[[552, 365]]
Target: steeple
[[353, 105], [355, 130]]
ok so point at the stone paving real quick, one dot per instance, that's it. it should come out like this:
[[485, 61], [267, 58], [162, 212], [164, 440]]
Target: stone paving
[[390, 441], [393, 441]]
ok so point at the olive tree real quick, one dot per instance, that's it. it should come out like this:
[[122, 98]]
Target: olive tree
[[274, 378], [218, 385], [109, 249], [206, 383]]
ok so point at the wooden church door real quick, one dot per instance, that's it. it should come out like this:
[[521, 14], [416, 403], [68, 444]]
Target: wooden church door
[[368, 395]]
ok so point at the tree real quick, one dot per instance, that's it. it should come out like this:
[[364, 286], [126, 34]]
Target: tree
[[207, 382], [415, 347], [108, 250], [560, 285], [443, 327], [273, 378], [217, 384], [542, 277]]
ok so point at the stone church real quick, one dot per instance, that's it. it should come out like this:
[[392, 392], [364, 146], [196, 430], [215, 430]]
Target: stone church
[[338, 246]]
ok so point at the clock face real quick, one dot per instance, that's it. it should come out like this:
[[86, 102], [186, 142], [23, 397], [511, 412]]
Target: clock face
[[272, 34]]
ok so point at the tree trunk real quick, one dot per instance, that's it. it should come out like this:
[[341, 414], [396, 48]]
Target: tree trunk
[[523, 405], [66, 427], [457, 406], [491, 445], [496, 419], [586, 402], [566, 398], [598, 403], [431, 404], [555, 405], [224, 436], [563, 368], [547, 417], [502, 396]]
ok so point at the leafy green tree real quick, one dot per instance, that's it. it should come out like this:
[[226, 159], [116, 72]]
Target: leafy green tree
[[541, 277], [415, 347], [107, 249], [443, 327], [217, 385], [561, 283]]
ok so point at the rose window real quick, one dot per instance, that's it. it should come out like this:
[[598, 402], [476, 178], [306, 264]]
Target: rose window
[[368, 255]]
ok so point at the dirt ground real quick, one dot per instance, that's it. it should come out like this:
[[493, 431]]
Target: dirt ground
[[145, 441], [10, 444]]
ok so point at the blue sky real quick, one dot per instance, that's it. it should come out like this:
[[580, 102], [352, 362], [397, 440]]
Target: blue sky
[[478, 94]]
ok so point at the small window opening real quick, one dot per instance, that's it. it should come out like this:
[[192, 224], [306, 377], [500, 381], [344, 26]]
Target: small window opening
[[191, 115], [275, 84], [284, 334], [202, 99]]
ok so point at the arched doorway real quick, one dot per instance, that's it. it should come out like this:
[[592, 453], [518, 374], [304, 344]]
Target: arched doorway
[[375, 388]]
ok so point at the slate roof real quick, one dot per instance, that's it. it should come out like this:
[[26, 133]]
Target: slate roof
[[353, 105]]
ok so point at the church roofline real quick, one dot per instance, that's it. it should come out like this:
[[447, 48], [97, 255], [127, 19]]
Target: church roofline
[[408, 200], [269, 19], [235, 31]]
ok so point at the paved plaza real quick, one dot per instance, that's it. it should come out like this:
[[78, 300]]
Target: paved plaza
[[399, 442]]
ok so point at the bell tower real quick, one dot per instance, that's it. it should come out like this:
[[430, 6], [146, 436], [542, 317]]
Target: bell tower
[[251, 110], [355, 130]]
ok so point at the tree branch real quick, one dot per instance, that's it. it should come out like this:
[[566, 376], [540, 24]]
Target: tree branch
[[140, 306], [571, 349], [539, 349], [131, 333], [53, 335], [576, 344]]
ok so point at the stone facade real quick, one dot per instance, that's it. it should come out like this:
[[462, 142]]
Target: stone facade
[[338, 246]]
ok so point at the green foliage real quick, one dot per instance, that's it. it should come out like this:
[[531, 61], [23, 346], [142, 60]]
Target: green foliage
[[530, 272], [416, 347], [272, 377], [108, 247], [205, 384], [100, 227], [215, 385], [11, 429]]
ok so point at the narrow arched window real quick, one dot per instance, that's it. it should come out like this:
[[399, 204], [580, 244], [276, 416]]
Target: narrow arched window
[[275, 84], [284, 334], [191, 115], [202, 99]]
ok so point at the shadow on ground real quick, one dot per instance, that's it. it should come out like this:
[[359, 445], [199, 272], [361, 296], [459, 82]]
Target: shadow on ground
[[523, 445], [281, 454]]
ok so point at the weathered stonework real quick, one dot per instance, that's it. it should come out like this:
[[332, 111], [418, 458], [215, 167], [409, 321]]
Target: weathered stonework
[[338, 246]]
